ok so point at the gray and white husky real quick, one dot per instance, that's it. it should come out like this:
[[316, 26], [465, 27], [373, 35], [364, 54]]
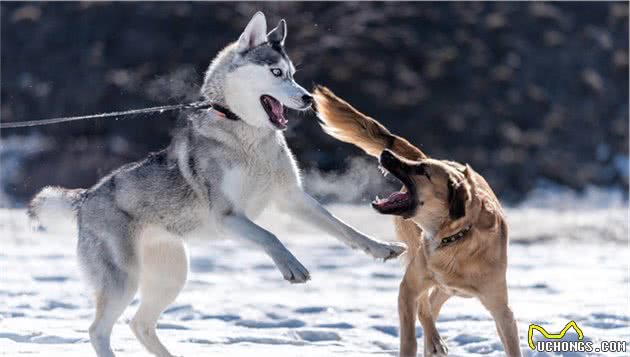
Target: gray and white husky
[[218, 174]]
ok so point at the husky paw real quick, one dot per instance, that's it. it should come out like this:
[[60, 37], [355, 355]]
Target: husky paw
[[292, 270], [435, 347], [386, 250]]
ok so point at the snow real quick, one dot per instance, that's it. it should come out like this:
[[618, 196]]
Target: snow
[[566, 263]]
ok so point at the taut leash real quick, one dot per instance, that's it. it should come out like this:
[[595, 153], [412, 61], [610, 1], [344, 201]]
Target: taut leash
[[23, 124]]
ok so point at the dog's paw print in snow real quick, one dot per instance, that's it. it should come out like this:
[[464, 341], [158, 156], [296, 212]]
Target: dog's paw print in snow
[[337, 325], [41, 339], [183, 312], [311, 310], [317, 335], [386, 276], [51, 278], [392, 330], [466, 339], [607, 321], [484, 347], [388, 330], [290, 323], [222, 317], [265, 340], [449, 318], [54, 304], [167, 326]]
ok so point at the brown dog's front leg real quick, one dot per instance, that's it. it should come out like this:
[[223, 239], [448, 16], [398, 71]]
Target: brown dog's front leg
[[434, 346], [414, 283], [407, 308], [506, 326], [497, 304], [437, 298]]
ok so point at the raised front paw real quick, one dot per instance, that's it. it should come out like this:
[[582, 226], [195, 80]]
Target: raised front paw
[[291, 269], [386, 250]]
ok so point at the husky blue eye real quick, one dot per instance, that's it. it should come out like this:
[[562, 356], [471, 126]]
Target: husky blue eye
[[276, 72]]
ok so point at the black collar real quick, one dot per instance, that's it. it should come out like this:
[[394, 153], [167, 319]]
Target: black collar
[[455, 237], [225, 111]]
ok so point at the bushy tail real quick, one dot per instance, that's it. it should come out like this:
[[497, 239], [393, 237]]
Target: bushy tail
[[343, 122], [55, 207]]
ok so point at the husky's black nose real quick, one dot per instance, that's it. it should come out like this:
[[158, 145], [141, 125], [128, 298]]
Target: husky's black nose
[[307, 99]]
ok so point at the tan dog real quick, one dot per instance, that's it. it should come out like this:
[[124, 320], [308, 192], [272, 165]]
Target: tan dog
[[449, 218]]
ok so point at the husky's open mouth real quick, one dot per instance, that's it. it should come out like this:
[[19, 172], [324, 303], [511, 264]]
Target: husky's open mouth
[[404, 202], [274, 110]]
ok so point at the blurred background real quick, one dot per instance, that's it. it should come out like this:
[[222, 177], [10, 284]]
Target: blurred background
[[530, 94]]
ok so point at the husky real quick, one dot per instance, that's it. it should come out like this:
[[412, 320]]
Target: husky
[[221, 170]]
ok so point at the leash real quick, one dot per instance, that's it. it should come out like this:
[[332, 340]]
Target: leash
[[194, 105]]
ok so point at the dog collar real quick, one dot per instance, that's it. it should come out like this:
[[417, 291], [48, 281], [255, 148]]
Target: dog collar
[[455, 237], [224, 112]]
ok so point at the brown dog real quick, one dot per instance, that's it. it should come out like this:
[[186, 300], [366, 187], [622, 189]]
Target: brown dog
[[449, 218]]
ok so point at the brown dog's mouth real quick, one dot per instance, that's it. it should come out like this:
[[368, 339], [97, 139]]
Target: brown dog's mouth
[[398, 201], [404, 202], [274, 110]]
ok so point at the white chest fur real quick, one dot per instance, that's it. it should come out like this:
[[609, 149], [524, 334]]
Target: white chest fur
[[250, 185]]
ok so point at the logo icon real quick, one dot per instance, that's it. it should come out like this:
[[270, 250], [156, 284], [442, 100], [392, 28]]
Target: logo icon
[[552, 336], [555, 344]]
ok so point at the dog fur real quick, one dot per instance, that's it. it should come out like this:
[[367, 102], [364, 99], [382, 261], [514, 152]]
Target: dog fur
[[439, 199], [215, 178]]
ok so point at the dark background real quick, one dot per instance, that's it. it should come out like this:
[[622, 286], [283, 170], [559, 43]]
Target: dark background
[[524, 92]]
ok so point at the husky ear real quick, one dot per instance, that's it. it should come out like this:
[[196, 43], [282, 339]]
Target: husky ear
[[457, 197], [255, 33], [279, 33]]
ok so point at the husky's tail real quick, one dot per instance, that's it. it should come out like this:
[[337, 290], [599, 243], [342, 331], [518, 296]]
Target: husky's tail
[[341, 121], [55, 207]]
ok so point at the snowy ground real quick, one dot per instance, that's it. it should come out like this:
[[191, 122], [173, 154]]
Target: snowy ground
[[569, 263]]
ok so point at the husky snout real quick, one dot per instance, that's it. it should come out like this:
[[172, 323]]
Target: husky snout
[[296, 97], [308, 100]]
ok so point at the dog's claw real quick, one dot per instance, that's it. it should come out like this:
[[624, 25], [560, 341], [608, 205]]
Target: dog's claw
[[390, 256], [387, 250], [292, 270], [435, 347]]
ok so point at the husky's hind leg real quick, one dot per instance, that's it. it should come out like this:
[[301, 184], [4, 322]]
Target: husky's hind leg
[[106, 252], [115, 289], [163, 275], [110, 304]]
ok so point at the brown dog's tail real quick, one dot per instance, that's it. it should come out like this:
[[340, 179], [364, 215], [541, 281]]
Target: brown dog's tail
[[343, 122]]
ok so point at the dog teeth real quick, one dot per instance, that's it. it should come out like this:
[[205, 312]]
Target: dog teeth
[[383, 170]]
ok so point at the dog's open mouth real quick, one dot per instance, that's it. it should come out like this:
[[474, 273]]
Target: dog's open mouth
[[398, 202], [404, 202], [275, 111]]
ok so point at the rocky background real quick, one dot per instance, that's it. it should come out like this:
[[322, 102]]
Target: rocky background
[[524, 92]]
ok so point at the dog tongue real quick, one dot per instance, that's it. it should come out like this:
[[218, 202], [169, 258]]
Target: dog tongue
[[397, 196], [393, 198], [276, 109]]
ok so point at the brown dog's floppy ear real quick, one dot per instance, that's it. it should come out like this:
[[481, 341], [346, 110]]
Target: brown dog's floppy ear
[[457, 197]]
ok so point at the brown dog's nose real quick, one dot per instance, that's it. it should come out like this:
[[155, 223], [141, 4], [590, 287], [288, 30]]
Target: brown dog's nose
[[307, 99]]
